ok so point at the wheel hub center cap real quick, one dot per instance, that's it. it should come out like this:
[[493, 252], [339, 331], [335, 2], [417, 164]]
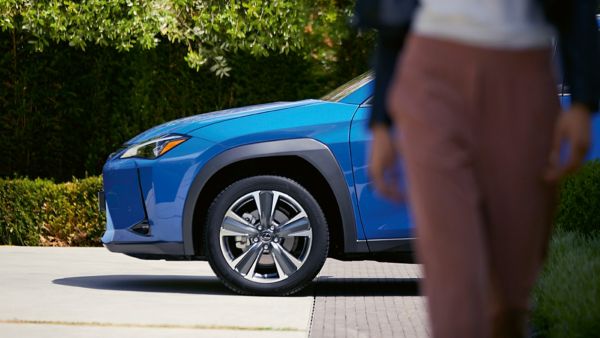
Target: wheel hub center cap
[[266, 236]]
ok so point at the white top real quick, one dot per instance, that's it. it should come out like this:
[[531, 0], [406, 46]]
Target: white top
[[514, 24]]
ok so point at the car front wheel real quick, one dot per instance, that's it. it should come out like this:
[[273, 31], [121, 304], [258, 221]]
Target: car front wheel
[[266, 235]]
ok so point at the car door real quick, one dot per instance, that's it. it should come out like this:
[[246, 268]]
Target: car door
[[382, 219]]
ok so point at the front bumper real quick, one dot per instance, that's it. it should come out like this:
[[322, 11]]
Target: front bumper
[[156, 250], [122, 200], [144, 199], [127, 224]]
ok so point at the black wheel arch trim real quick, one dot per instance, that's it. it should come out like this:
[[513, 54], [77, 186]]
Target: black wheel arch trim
[[313, 151]]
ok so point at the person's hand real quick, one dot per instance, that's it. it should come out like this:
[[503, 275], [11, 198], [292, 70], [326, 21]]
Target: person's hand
[[381, 163], [573, 129]]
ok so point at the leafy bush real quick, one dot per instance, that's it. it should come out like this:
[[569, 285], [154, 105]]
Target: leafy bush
[[62, 111], [41, 212], [567, 296], [78, 78], [579, 207], [208, 29]]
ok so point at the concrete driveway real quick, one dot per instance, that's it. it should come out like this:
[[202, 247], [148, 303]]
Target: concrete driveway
[[90, 292], [64, 292]]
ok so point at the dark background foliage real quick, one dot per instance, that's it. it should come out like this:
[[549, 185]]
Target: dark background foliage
[[579, 207], [63, 110]]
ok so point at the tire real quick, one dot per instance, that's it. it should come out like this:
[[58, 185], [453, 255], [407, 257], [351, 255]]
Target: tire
[[277, 255]]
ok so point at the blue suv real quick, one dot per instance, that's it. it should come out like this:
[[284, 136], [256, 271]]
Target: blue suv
[[264, 193]]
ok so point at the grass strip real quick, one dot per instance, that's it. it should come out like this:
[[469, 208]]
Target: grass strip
[[567, 296], [151, 326]]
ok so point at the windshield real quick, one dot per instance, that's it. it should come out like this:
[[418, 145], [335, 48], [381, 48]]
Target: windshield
[[348, 87]]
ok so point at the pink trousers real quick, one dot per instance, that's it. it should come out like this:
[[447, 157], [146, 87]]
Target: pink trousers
[[475, 132]]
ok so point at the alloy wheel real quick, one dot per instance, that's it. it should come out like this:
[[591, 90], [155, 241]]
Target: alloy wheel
[[265, 236]]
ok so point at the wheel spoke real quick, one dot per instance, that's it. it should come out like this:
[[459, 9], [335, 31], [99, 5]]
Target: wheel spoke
[[284, 261], [298, 226], [268, 201], [247, 261], [234, 225], [280, 272], [256, 197], [253, 267]]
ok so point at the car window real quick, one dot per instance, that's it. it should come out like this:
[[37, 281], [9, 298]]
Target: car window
[[348, 87]]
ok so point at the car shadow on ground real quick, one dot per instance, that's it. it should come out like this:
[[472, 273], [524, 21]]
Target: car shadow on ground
[[328, 286], [208, 285], [323, 286]]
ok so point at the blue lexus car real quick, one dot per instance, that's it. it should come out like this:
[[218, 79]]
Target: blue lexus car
[[264, 193]]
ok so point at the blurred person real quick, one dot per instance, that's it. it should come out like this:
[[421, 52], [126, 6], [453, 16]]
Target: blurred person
[[475, 101], [392, 20]]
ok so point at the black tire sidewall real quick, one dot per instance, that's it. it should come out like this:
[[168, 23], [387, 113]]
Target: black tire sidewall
[[320, 236]]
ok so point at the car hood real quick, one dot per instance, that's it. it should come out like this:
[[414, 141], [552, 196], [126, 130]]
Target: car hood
[[188, 124]]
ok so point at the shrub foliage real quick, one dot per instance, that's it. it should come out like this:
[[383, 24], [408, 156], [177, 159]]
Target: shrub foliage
[[579, 207], [63, 111], [208, 29], [78, 78], [41, 212], [567, 297]]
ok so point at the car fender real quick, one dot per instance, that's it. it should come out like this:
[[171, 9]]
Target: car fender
[[313, 151]]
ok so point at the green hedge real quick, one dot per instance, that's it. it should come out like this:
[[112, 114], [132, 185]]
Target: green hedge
[[579, 207], [41, 212], [64, 110], [567, 296]]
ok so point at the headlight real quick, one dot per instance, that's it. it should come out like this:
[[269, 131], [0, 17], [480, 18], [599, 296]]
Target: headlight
[[155, 147]]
